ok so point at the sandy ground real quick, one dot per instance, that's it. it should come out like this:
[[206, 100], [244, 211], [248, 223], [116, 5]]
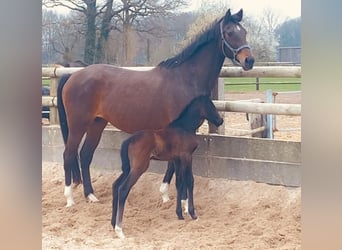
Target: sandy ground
[[232, 215]]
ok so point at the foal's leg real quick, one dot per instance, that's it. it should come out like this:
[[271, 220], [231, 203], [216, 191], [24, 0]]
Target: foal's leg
[[164, 187], [180, 187], [115, 189], [189, 182], [70, 157], [123, 190], [92, 140]]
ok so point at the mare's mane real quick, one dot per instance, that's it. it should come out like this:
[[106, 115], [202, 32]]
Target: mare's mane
[[201, 39]]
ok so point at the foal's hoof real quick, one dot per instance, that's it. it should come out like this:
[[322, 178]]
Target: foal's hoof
[[194, 216], [92, 198], [185, 205], [119, 232], [180, 217]]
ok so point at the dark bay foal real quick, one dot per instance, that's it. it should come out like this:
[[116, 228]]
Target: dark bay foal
[[176, 142]]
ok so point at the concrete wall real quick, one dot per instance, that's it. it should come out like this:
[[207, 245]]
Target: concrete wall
[[235, 158]]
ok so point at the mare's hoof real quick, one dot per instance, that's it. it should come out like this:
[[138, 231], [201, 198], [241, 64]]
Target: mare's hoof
[[70, 203]]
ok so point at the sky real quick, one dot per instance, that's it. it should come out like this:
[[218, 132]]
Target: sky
[[283, 8]]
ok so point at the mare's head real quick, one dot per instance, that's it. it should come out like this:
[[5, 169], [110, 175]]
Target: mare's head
[[233, 40]]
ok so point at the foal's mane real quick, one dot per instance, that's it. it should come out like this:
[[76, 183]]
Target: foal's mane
[[201, 39], [176, 121]]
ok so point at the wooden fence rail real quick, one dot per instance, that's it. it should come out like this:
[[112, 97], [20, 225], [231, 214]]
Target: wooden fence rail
[[257, 71], [229, 106], [225, 106]]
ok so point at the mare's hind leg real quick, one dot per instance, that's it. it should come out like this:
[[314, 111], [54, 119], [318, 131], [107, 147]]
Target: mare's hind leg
[[91, 141], [70, 157], [164, 187]]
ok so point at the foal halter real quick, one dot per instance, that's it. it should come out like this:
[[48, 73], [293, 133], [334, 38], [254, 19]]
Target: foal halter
[[234, 51]]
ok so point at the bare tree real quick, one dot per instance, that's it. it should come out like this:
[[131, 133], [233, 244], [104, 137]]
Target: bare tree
[[121, 15], [60, 37], [89, 9]]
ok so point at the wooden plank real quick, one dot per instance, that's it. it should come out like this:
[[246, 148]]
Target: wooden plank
[[257, 71], [229, 106]]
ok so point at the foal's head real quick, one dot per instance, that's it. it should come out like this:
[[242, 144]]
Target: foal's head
[[207, 110]]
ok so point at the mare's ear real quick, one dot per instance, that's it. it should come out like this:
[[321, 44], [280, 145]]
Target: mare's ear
[[239, 15], [227, 16]]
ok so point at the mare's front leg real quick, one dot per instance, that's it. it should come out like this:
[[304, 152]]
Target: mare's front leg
[[92, 140], [164, 187]]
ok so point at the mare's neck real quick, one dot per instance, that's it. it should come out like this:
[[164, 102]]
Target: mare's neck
[[203, 68]]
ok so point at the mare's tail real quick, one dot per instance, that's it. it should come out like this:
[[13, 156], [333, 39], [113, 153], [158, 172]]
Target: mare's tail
[[60, 107]]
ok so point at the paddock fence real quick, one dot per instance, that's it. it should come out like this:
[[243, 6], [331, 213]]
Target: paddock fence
[[218, 156]]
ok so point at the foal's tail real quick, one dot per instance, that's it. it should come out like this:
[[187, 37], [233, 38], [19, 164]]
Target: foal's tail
[[126, 166], [60, 107]]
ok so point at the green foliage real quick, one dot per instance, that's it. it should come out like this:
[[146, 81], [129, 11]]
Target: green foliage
[[46, 82], [241, 84], [289, 33]]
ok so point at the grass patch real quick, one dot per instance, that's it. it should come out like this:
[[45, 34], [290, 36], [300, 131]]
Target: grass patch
[[245, 84], [46, 82]]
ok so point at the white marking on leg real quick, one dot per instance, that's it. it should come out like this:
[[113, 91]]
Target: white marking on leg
[[119, 232], [92, 198], [164, 189], [185, 204], [68, 195]]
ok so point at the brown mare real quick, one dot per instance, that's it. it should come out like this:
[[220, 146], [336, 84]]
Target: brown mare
[[135, 100], [176, 142]]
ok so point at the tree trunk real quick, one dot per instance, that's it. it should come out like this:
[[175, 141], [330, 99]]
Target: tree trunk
[[104, 33], [89, 50]]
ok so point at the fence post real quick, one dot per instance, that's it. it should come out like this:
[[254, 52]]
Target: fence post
[[257, 83], [269, 117], [53, 93], [218, 94]]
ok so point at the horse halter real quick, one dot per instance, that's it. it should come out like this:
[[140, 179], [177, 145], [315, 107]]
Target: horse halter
[[234, 51]]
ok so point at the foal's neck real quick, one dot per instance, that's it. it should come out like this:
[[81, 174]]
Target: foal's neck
[[189, 123]]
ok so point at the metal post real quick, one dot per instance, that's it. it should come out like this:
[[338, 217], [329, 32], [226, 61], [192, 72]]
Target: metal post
[[257, 83], [269, 117]]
